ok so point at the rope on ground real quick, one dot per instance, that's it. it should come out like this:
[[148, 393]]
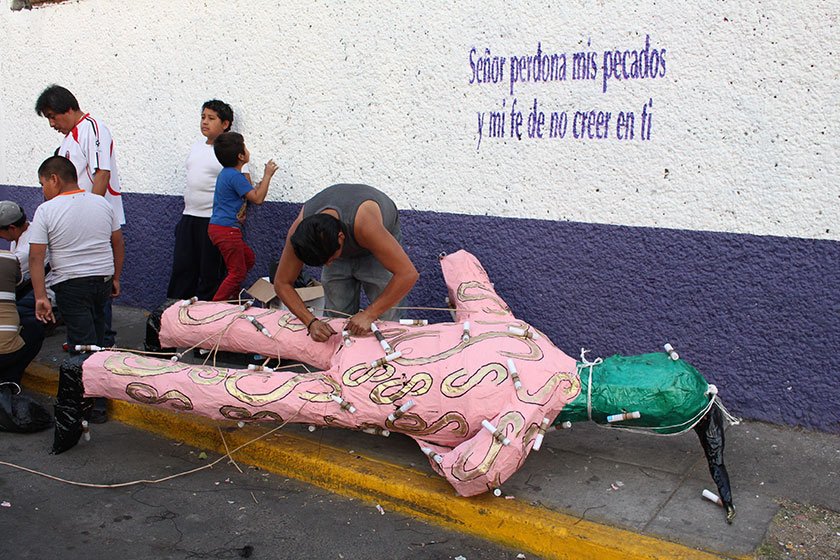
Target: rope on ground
[[227, 455]]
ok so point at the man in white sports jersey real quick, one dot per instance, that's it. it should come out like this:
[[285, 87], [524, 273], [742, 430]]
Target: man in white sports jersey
[[88, 144]]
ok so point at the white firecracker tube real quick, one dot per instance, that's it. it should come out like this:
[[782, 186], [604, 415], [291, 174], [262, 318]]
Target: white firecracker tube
[[624, 416], [526, 333], [517, 383], [500, 437], [712, 497], [432, 455], [86, 430], [671, 352], [414, 322], [186, 302], [312, 428], [466, 334], [541, 433], [255, 367], [389, 358], [87, 348], [401, 410], [347, 340], [344, 404], [377, 431], [497, 492]]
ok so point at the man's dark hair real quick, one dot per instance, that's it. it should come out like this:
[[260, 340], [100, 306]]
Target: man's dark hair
[[227, 147], [22, 220], [220, 108], [316, 239], [58, 165], [56, 99]]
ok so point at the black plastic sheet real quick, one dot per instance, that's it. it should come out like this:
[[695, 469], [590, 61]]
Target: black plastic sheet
[[71, 407], [710, 432], [19, 413], [152, 340]]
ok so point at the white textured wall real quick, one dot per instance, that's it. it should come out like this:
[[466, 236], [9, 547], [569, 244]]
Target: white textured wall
[[745, 120]]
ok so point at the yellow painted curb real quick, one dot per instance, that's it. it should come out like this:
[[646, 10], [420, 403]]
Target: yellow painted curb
[[512, 523]]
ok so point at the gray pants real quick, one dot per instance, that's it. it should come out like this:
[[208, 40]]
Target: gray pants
[[344, 278]]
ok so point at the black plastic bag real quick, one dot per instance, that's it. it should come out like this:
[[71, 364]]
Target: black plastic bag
[[152, 340], [71, 406], [19, 413], [710, 431]]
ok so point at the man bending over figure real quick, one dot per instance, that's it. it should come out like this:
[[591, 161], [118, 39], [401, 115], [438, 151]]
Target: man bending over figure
[[353, 231]]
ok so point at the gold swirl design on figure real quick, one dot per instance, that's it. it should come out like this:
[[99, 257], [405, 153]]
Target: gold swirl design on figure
[[414, 424], [418, 384], [459, 382], [569, 384], [290, 322], [147, 394], [244, 415], [362, 373], [332, 388], [185, 318], [534, 352], [511, 419], [530, 434], [139, 366], [464, 287], [208, 375], [261, 399]]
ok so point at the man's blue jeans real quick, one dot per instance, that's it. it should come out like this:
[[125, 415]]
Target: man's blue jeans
[[344, 279], [82, 303]]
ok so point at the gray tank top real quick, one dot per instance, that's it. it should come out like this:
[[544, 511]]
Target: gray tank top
[[346, 199]]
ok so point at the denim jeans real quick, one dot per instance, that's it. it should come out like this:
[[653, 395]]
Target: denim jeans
[[13, 365], [344, 279], [82, 302]]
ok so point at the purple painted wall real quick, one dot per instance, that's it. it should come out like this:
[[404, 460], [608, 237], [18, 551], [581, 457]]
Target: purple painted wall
[[759, 316]]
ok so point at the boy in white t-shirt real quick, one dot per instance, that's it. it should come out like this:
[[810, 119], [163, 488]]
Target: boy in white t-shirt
[[197, 265], [86, 255]]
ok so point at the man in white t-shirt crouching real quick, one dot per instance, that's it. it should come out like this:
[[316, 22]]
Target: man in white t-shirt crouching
[[86, 249]]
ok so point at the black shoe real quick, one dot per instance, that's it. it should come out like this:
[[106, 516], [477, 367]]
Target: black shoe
[[98, 416]]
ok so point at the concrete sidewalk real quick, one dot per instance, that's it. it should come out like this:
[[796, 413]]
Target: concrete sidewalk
[[590, 492]]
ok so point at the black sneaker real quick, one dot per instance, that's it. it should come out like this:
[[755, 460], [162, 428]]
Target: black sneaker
[[98, 416]]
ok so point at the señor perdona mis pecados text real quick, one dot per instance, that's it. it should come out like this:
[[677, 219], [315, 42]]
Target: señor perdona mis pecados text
[[617, 64]]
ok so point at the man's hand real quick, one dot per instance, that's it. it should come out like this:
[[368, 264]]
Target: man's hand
[[359, 324], [320, 331], [43, 310], [115, 288]]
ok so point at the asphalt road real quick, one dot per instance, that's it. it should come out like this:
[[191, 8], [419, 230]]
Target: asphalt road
[[214, 513]]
